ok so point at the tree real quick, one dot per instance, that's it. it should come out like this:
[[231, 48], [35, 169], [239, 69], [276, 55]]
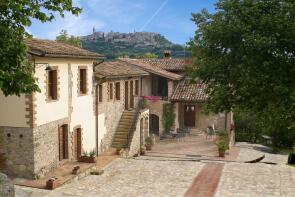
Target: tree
[[245, 53], [65, 38], [16, 73]]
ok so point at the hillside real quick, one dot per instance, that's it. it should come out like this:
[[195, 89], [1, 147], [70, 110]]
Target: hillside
[[115, 44]]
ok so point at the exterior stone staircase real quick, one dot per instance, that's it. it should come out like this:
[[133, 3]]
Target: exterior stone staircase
[[120, 139]]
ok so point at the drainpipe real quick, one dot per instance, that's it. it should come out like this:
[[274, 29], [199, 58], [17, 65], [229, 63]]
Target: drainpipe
[[96, 106]]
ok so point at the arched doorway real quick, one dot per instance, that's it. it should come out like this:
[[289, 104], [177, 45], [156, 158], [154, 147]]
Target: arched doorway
[[154, 124]]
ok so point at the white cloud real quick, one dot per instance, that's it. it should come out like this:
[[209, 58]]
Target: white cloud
[[75, 25]]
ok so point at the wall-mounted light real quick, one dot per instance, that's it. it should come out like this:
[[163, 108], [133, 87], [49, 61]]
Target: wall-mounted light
[[47, 68]]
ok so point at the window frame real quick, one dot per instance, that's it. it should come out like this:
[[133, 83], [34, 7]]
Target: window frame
[[136, 87], [111, 91]]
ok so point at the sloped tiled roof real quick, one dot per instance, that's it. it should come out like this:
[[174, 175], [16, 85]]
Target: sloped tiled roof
[[50, 48], [153, 69], [118, 69], [169, 64], [189, 92]]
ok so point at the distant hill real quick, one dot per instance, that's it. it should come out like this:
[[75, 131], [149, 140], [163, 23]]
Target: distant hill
[[115, 44]]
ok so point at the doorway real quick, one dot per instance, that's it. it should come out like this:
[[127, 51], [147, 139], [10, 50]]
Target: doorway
[[126, 95], [63, 142], [189, 115], [154, 124], [77, 143]]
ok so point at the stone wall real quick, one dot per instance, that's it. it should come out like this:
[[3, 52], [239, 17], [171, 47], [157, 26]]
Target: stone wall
[[135, 144], [28, 152], [110, 111], [46, 147], [16, 151], [6, 186]]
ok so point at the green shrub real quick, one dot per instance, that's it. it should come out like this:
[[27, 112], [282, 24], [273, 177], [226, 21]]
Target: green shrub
[[168, 116], [222, 145], [149, 140], [291, 159]]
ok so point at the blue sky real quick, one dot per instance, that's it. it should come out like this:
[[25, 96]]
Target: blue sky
[[168, 17]]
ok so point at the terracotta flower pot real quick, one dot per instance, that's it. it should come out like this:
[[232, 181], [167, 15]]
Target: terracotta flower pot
[[221, 153], [148, 147], [51, 184], [86, 159]]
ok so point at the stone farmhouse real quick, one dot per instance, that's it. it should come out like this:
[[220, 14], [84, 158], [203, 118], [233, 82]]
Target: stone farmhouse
[[88, 104]]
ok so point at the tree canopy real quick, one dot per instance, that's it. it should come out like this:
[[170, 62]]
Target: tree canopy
[[16, 73], [65, 38], [245, 53]]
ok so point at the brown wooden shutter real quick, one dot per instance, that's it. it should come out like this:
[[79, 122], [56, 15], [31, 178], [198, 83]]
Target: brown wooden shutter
[[54, 84], [100, 93], [136, 87], [111, 91], [118, 91]]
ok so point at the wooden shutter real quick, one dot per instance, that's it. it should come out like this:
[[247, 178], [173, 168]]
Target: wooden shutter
[[100, 93], [118, 89], [83, 81], [136, 87], [111, 91], [52, 84]]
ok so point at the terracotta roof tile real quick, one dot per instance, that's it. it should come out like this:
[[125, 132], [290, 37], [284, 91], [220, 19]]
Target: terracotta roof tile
[[169, 64], [189, 92], [118, 69], [49, 48], [153, 69]]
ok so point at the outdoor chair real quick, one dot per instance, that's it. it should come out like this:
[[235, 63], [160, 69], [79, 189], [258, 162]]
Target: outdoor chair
[[210, 132]]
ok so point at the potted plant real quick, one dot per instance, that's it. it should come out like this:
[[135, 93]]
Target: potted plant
[[142, 150], [222, 147], [52, 183], [148, 143], [88, 157]]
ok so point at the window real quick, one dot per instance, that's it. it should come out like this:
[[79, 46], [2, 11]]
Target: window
[[136, 87], [52, 84], [118, 91], [111, 91], [100, 93], [83, 81]]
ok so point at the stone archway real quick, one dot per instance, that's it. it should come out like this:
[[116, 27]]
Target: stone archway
[[154, 124]]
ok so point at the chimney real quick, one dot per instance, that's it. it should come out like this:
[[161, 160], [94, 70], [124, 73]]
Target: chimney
[[167, 54]]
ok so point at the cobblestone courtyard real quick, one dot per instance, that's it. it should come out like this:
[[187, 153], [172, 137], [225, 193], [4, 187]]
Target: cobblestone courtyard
[[147, 176]]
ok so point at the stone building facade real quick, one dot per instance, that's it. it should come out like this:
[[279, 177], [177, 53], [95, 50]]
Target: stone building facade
[[38, 131], [113, 77]]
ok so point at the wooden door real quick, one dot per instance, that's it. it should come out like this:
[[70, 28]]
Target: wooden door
[[189, 115], [77, 143], [126, 95], [63, 142], [131, 95]]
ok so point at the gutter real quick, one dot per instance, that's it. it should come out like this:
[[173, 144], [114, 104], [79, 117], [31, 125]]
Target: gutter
[[96, 107]]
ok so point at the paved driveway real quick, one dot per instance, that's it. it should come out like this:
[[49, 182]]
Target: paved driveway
[[129, 177], [157, 176]]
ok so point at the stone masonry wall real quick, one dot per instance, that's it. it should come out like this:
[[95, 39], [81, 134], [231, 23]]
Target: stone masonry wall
[[46, 147], [16, 151], [135, 143]]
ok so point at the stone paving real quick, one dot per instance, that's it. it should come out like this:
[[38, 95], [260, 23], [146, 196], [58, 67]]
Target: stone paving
[[129, 177], [147, 176], [259, 179]]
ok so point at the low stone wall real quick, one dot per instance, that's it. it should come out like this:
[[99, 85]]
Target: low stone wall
[[16, 151], [6, 186]]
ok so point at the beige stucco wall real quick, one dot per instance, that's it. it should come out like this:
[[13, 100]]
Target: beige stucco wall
[[13, 111], [202, 120], [79, 109]]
